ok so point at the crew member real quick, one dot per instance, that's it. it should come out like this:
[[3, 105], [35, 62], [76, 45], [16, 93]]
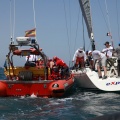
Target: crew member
[[61, 65], [108, 51], [118, 55], [31, 60], [6, 62], [51, 65], [99, 59], [79, 58]]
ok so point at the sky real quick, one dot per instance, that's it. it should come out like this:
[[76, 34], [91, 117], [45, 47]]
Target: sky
[[58, 25]]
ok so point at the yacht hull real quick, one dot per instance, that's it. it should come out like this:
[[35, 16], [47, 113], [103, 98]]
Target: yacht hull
[[89, 79]]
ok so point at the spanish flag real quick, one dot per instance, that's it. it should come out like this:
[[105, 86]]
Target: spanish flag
[[30, 33]]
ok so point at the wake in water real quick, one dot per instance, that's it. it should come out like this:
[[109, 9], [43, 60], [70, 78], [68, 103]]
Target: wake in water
[[78, 104]]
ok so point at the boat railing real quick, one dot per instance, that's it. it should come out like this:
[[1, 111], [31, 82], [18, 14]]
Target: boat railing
[[35, 71]]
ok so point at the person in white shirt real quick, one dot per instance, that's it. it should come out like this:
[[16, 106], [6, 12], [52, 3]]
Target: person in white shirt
[[117, 50], [99, 59], [31, 58], [108, 50], [79, 57]]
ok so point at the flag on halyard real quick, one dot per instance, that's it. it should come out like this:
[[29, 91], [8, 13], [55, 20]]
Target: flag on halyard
[[30, 33]]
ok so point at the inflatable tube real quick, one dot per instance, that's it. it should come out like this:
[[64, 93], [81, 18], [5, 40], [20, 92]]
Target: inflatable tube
[[2, 89], [17, 52]]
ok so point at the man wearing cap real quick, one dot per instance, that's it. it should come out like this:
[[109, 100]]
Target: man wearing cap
[[79, 57], [118, 55], [108, 50], [99, 59]]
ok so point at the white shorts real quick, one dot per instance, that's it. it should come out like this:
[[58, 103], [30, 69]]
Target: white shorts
[[101, 62]]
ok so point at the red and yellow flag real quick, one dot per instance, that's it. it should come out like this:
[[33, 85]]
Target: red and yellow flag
[[30, 33]]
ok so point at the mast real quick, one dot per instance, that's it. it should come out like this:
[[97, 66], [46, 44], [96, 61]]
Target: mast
[[85, 8]]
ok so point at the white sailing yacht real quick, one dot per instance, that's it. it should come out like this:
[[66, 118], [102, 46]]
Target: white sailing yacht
[[86, 78]]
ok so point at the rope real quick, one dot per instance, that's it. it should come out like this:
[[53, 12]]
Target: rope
[[117, 21], [34, 17], [67, 30]]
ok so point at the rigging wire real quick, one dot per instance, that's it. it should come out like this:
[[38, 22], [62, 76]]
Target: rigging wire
[[76, 30], [12, 25], [108, 21], [14, 22], [67, 30], [117, 21], [34, 18], [108, 16], [70, 19], [11, 20], [103, 15]]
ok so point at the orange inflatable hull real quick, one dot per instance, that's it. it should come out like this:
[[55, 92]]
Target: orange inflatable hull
[[42, 88]]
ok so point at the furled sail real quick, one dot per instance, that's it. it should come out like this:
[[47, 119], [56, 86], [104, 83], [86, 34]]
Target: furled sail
[[85, 8]]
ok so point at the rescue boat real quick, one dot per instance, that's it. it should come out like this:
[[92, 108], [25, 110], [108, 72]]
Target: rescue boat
[[32, 78]]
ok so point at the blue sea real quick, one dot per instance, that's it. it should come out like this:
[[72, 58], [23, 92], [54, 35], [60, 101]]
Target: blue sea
[[79, 105]]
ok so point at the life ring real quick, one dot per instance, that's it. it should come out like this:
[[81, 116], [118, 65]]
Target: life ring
[[34, 51]]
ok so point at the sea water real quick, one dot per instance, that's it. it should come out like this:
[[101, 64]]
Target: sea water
[[79, 105]]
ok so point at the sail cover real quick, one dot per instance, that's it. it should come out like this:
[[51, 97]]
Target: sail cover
[[85, 8]]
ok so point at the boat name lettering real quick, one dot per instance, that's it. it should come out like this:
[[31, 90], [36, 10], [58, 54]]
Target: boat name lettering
[[18, 89], [113, 83]]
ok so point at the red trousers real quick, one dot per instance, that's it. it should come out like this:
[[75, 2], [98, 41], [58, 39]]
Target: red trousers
[[79, 60]]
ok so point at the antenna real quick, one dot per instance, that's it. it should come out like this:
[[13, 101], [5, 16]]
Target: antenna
[[12, 27], [11, 23], [14, 22], [34, 18]]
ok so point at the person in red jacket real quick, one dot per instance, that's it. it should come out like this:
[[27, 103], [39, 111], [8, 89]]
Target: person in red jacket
[[61, 66]]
